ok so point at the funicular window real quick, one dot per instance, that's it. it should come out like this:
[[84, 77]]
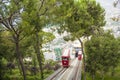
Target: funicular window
[[64, 58], [77, 48]]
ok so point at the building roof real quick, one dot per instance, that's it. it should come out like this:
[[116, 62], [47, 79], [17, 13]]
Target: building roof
[[80, 52], [66, 52]]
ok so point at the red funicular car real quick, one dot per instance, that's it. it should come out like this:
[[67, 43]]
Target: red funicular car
[[65, 58], [79, 55]]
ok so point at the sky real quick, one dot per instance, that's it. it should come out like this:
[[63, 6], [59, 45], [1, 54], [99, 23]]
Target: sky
[[111, 11]]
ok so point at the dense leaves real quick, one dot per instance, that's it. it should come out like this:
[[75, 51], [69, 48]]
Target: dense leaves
[[23, 19], [102, 53], [6, 54], [36, 19]]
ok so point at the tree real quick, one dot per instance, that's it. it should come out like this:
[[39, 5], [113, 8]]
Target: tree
[[36, 18], [102, 54], [10, 20], [80, 19], [115, 51], [116, 4]]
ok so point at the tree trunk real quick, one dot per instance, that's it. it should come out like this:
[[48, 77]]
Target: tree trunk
[[93, 76], [84, 63], [113, 71], [102, 75], [38, 55], [19, 56], [35, 64], [19, 67]]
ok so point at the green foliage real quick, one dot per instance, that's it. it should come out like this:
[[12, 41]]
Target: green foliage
[[3, 50], [102, 53], [46, 37], [106, 76], [23, 18], [47, 72], [8, 50], [80, 18], [35, 18]]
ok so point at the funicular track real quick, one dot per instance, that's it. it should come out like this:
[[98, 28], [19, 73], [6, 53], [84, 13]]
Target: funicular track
[[58, 74], [76, 75], [70, 73]]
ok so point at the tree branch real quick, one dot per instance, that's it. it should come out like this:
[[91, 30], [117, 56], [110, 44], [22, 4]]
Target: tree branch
[[3, 19], [42, 2], [10, 23], [43, 12], [7, 22], [6, 25]]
